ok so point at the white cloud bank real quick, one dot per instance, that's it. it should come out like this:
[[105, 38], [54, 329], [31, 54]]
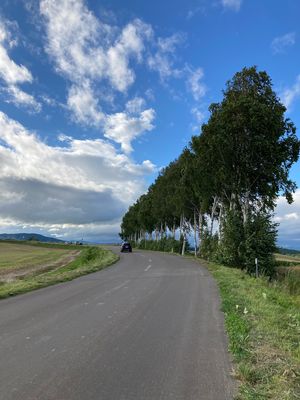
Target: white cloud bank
[[84, 185]]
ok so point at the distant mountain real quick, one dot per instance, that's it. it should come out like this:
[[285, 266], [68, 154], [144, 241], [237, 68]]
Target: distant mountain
[[285, 251], [29, 236]]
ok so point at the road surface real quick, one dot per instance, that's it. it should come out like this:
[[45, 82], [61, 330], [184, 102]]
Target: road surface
[[146, 328]]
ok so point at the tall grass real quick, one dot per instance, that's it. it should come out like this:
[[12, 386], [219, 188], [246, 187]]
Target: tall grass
[[263, 324]]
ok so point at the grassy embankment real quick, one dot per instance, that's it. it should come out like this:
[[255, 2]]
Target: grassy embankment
[[25, 266], [263, 325]]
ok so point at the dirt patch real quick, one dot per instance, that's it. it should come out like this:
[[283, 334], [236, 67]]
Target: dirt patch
[[21, 273]]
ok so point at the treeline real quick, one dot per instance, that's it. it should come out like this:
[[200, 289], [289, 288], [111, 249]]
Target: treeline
[[223, 188]]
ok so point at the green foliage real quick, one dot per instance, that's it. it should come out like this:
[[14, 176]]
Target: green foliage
[[232, 245], [164, 244], [209, 245], [260, 238]]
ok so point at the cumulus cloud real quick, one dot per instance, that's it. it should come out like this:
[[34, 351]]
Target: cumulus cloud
[[13, 74], [289, 95], [84, 104], [123, 127], [288, 216], [80, 183], [282, 43], [89, 52], [83, 47], [234, 5]]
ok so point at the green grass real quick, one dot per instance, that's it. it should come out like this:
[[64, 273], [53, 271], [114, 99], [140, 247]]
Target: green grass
[[91, 259], [263, 324], [15, 256]]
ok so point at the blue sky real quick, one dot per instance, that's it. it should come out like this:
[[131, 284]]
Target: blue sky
[[96, 96]]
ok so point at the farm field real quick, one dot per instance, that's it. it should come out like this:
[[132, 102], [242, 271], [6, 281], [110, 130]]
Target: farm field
[[16, 256], [28, 266], [288, 258], [19, 260]]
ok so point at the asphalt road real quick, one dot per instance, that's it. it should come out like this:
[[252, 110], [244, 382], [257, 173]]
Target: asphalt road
[[146, 328]]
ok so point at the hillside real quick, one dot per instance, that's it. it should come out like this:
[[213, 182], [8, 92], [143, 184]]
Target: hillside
[[29, 236]]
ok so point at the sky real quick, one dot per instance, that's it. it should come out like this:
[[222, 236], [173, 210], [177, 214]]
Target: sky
[[97, 96]]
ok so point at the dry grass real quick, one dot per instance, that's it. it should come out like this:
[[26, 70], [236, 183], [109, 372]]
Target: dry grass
[[19, 256]]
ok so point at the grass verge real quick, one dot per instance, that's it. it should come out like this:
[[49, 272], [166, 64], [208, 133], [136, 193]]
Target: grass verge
[[91, 259], [263, 324]]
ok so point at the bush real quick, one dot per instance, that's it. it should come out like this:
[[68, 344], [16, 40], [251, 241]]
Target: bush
[[208, 246], [164, 244], [241, 244], [260, 235], [230, 251]]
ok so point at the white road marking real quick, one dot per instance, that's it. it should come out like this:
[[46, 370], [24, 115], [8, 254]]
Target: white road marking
[[147, 269], [116, 287]]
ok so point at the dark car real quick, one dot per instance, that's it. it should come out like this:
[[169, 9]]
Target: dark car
[[126, 247]]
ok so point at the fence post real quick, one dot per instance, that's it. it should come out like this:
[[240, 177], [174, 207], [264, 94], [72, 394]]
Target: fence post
[[256, 267]]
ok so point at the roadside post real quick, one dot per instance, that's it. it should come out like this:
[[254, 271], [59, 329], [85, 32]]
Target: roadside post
[[256, 267]]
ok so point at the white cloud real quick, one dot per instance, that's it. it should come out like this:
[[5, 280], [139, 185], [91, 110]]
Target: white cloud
[[123, 128], [289, 95], [162, 61], [288, 216], [90, 53], [82, 102], [19, 97], [232, 4], [195, 84], [135, 105], [198, 115], [13, 74], [281, 43], [80, 183], [85, 48]]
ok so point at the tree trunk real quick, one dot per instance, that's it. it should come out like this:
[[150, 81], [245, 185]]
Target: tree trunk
[[245, 208], [195, 233], [183, 244], [180, 227], [220, 223], [212, 216], [199, 230]]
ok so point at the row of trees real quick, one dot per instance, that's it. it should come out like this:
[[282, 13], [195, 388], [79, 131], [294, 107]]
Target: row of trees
[[223, 188]]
